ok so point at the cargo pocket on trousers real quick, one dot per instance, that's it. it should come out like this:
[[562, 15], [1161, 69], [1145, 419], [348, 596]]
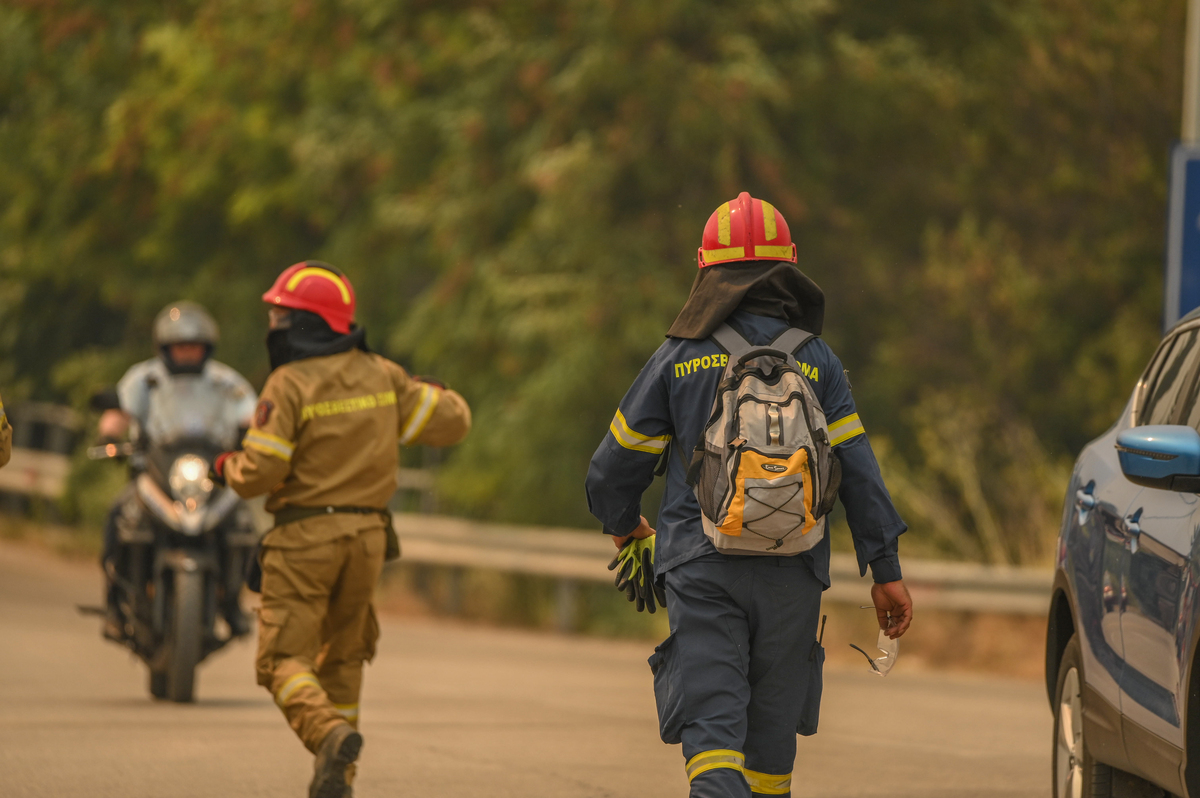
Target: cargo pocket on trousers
[[370, 633], [270, 622], [668, 690], [810, 713]]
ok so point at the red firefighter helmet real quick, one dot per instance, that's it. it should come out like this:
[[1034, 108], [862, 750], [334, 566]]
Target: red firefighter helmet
[[317, 287], [746, 229]]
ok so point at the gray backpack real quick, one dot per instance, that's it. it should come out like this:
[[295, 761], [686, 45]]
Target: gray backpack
[[764, 471]]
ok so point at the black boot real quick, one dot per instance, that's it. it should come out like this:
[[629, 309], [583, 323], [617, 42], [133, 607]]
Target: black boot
[[114, 619], [339, 749], [114, 625]]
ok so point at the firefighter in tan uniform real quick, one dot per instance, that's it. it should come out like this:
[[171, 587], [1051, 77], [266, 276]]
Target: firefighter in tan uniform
[[324, 447], [5, 437]]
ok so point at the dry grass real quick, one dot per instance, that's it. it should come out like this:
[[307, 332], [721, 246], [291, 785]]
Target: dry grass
[[76, 543], [1005, 645]]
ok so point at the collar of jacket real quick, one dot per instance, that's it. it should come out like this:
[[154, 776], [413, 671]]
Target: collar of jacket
[[765, 288], [310, 336]]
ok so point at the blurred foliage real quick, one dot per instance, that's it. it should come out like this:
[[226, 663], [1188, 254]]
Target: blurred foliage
[[517, 191]]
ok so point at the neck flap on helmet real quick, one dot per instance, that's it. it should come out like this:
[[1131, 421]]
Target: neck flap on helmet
[[766, 288]]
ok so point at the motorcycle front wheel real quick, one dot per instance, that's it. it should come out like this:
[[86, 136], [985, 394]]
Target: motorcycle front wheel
[[186, 636]]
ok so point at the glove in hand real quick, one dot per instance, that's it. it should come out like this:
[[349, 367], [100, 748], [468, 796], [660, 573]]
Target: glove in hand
[[634, 565], [217, 471]]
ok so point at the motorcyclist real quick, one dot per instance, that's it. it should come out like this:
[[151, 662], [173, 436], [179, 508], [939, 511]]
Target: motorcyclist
[[181, 393]]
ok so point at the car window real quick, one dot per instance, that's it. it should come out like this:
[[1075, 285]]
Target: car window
[[1189, 406], [1171, 388], [1153, 372]]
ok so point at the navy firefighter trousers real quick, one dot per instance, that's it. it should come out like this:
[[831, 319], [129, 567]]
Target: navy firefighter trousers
[[740, 673]]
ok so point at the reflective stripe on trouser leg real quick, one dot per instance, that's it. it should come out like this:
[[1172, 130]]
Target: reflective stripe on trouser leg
[[711, 760], [308, 710], [349, 712], [343, 684], [767, 784]]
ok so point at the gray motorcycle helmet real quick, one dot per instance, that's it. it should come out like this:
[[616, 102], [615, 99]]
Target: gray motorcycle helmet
[[184, 323]]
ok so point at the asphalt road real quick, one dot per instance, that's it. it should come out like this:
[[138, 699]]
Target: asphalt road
[[452, 710]]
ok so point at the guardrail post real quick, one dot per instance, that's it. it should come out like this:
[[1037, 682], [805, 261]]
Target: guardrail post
[[567, 604]]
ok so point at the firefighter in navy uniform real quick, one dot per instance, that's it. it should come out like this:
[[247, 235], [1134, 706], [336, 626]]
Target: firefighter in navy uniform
[[324, 447], [740, 673]]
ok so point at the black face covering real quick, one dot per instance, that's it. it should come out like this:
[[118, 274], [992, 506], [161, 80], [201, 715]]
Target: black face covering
[[765, 288], [164, 352], [308, 335]]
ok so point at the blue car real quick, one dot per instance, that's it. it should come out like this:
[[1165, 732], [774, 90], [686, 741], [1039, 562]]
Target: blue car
[[1121, 645]]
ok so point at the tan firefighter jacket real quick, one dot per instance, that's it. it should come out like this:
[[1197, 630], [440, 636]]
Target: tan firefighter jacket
[[325, 433]]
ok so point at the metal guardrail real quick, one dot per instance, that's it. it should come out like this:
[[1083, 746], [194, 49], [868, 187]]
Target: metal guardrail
[[572, 555], [43, 437]]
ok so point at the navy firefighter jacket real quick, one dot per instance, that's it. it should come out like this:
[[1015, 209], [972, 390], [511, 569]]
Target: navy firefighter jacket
[[671, 400]]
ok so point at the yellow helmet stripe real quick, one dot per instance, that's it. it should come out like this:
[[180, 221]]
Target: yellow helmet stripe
[[772, 252], [769, 220], [313, 271], [717, 255], [723, 225]]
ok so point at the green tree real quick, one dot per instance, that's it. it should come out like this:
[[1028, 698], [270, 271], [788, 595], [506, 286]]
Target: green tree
[[517, 191]]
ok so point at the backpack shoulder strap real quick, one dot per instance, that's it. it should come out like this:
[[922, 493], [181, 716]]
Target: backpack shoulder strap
[[729, 340], [792, 339]]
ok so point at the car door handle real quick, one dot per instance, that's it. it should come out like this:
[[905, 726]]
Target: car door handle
[[1084, 499], [1133, 528]]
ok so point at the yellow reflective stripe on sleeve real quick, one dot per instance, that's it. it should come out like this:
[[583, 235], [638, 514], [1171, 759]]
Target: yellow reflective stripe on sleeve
[[421, 414], [769, 231], [711, 760], [635, 440], [267, 443], [844, 429], [766, 784], [295, 683], [347, 711], [773, 252], [719, 255]]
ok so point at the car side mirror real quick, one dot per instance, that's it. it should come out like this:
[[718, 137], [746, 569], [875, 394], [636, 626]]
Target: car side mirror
[[1161, 456]]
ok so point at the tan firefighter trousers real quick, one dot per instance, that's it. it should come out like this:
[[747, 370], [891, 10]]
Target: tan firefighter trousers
[[317, 628]]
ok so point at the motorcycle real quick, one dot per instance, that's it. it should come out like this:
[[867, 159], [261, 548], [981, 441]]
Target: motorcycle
[[185, 543]]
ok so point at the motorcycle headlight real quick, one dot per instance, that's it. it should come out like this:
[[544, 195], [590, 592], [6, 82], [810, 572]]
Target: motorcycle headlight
[[189, 480]]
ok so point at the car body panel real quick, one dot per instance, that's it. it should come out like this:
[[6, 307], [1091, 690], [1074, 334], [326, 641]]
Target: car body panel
[[1129, 557], [1092, 537]]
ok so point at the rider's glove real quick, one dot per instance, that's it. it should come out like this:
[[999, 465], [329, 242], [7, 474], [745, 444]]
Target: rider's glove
[[217, 472], [634, 565]]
